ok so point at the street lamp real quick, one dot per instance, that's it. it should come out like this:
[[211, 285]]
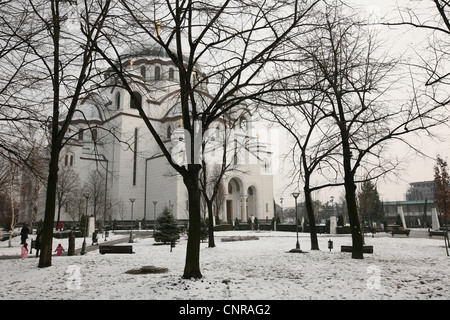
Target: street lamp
[[332, 207], [83, 247], [297, 245], [154, 217], [131, 227], [281, 201]]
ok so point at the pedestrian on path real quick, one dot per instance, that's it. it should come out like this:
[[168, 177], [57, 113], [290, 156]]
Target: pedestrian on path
[[24, 234], [37, 244], [94, 237], [25, 250], [59, 249]]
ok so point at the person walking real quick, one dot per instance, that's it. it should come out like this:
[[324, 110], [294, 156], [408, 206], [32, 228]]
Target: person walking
[[59, 250], [24, 234], [94, 237], [37, 244]]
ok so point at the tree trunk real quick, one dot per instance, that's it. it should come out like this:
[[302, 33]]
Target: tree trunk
[[350, 197], [192, 264], [59, 214], [45, 258], [211, 243], [312, 221]]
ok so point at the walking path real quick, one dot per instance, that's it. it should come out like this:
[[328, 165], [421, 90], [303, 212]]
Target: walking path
[[89, 248], [95, 246]]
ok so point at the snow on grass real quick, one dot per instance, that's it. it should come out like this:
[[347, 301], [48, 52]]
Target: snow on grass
[[261, 269]]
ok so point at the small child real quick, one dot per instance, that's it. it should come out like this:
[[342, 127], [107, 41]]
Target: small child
[[25, 250], [59, 249]]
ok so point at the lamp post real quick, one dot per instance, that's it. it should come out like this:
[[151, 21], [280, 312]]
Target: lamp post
[[131, 227], [154, 217], [332, 207], [281, 201], [297, 245], [83, 247]]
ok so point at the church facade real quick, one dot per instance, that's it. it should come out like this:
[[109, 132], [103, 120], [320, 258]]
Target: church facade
[[121, 171]]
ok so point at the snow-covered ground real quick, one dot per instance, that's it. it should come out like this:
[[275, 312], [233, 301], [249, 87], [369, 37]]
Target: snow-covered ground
[[400, 268]]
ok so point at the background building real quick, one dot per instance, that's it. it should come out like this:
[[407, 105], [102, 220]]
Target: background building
[[419, 191], [416, 213]]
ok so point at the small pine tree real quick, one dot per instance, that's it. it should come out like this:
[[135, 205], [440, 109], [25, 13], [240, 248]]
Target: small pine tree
[[166, 228]]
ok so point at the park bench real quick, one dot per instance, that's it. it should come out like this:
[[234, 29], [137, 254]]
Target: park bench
[[366, 249], [435, 233], [115, 249], [401, 231]]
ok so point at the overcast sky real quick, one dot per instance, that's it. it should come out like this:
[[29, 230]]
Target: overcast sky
[[416, 168]]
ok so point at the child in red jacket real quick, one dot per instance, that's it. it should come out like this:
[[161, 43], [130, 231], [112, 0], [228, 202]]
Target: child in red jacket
[[59, 249]]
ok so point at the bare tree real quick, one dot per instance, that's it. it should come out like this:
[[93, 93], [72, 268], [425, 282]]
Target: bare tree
[[442, 193], [216, 162], [433, 19], [19, 114], [65, 55], [233, 43], [314, 149], [76, 204], [34, 171], [10, 181], [66, 188], [97, 189], [356, 82], [210, 182]]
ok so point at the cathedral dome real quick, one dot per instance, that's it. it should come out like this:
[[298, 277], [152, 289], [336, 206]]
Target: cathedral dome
[[148, 51], [87, 112]]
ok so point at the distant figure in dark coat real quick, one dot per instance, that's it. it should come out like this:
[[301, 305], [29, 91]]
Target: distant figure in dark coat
[[37, 244], [24, 234], [94, 238]]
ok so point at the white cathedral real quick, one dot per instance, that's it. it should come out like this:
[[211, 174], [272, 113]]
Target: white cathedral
[[108, 143]]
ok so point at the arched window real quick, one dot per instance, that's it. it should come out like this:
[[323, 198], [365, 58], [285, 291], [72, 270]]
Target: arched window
[[230, 188], [157, 73], [171, 74], [243, 124], [143, 72], [68, 160], [118, 100], [135, 102]]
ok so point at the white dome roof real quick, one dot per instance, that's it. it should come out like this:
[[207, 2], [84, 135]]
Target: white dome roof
[[87, 112], [146, 50]]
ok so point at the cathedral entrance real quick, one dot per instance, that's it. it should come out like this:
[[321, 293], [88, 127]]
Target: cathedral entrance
[[234, 200], [229, 210]]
